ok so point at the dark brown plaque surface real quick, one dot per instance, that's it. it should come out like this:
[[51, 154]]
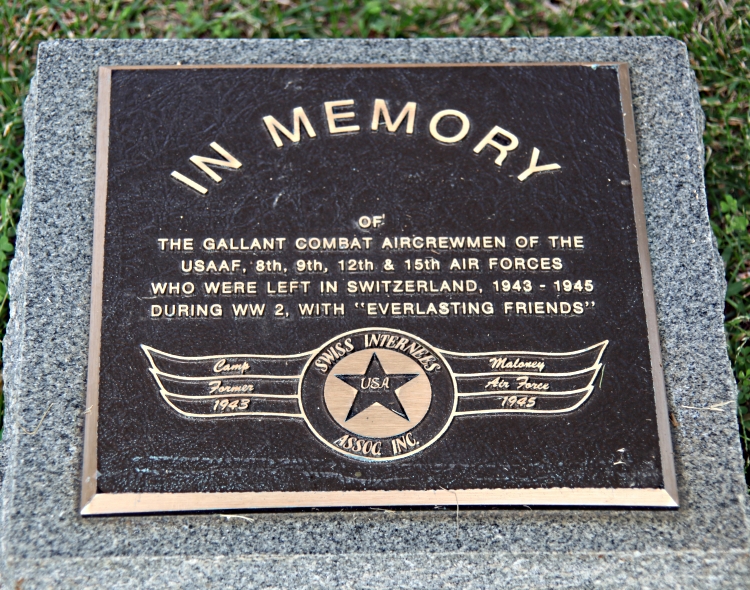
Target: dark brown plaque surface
[[371, 286]]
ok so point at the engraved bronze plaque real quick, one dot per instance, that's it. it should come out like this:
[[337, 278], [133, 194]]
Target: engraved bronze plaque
[[371, 286]]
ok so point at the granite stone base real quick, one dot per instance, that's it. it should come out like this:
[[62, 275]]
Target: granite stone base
[[47, 544]]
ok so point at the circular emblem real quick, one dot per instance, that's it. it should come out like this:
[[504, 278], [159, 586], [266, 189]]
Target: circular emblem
[[377, 394]]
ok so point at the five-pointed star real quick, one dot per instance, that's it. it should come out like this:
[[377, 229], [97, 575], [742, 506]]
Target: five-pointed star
[[376, 387]]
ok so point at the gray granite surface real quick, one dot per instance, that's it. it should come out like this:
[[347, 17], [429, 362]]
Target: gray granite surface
[[46, 544]]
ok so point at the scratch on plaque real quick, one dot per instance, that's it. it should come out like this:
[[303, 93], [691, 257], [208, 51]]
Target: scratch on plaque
[[228, 516], [601, 378], [713, 407], [383, 510], [620, 462], [88, 410], [38, 426]]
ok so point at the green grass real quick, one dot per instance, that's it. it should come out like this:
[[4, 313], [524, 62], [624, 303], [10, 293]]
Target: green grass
[[716, 34]]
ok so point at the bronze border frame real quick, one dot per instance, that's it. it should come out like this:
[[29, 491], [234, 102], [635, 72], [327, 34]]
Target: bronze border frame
[[93, 503]]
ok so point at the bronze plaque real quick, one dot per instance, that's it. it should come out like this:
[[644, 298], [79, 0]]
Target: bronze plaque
[[371, 286]]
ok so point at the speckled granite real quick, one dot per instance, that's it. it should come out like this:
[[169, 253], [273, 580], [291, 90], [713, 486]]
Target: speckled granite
[[46, 543]]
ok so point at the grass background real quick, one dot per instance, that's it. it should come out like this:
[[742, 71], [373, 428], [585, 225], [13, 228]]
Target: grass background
[[717, 35]]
